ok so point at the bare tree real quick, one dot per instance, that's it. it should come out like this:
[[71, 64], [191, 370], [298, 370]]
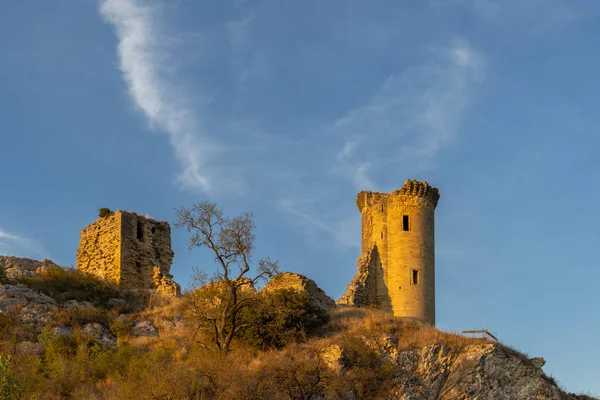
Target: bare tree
[[216, 302]]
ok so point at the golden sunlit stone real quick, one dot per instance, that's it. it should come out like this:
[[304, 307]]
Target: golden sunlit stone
[[396, 270]]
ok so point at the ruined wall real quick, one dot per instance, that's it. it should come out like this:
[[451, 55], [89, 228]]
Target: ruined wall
[[99, 251], [129, 249], [145, 244], [401, 226], [368, 287]]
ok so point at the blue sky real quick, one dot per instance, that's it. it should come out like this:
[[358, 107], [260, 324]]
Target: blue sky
[[288, 109]]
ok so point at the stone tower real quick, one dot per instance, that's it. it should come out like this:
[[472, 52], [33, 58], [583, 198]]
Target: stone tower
[[396, 270], [131, 250]]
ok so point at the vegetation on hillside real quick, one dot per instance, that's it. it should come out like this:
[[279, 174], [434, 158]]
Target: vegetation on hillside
[[64, 284], [176, 365]]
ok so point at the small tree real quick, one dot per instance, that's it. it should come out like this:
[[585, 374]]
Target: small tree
[[217, 302]]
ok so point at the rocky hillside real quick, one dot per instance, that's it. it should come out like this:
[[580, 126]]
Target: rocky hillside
[[67, 336]]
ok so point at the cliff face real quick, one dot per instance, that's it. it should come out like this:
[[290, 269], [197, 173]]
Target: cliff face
[[481, 371]]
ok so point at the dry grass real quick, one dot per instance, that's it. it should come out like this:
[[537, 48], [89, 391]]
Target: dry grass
[[410, 333]]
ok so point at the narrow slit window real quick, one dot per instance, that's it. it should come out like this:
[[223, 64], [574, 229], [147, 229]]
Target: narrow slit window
[[415, 277], [138, 267], [382, 235], [382, 208], [140, 231], [405, 222]]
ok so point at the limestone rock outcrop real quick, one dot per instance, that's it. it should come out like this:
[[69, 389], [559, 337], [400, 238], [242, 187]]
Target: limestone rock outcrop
[[20, 267], [487, 371], [99, 334], [28, 306], [302, 284], [482, 371]]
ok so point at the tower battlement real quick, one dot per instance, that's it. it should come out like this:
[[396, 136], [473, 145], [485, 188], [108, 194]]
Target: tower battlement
[[421, 189], [410, 188]]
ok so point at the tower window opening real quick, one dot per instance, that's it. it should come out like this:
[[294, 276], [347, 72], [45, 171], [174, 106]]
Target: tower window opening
[[405, 223], [382, 235], [382, 208], [153, 229], [140, 231], [415, 277], [138, 267]]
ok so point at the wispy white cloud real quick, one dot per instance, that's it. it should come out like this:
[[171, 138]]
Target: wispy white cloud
[[238, 30], [415, 112], [146, 66], [535, 16], [411, 118], [19, 245], [356, 172], [344, 230]]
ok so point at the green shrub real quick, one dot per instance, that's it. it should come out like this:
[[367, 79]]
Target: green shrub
[[57, 347], [115, 362], [279, 318], [120, 327], [104, 212], [8, 324], [9, 386], [65, 284], [3, 278]]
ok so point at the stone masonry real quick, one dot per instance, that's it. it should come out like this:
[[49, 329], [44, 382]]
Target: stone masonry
[[131, 250], [396, 270]]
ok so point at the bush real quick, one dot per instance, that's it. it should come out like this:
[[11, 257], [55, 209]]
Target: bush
[[57, 345], [65, 284], [9, 386], [115, 362], [104, 212], [120, 327], [8, 324], [281, 317]]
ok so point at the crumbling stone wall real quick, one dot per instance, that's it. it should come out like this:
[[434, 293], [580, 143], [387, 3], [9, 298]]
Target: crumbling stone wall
[[131, 250], [99, 251], [368, 286], [399, 226]]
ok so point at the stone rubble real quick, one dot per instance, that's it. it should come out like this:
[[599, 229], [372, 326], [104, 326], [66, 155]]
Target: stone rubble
[[143, 328], [99, 334]]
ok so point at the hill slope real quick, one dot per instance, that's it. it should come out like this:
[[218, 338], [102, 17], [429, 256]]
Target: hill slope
[[61, 341]]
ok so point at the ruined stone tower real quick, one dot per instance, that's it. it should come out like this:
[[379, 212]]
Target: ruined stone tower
[[396, 270], [131, 250]]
